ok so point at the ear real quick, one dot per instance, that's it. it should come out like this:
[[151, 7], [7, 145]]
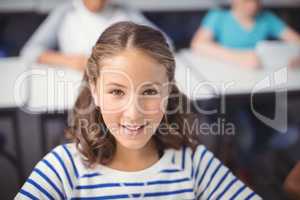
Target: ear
[[94, 93]]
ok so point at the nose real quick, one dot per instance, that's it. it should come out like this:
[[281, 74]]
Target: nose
[[134, 110]]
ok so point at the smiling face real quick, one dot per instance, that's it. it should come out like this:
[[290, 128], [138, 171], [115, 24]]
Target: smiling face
[[132, 93]]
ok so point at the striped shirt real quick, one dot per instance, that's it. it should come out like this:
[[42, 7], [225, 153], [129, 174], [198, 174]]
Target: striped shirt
[[179, 174]]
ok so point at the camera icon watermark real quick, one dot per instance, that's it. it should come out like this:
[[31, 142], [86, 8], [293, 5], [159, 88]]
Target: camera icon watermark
[[278, 82]]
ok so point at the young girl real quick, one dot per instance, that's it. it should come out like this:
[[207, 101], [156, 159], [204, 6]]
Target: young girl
[[131, 132]]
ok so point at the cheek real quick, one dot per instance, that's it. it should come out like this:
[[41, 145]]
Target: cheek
[[112, 122], [154, 109], [154, 105], [110, 104], [111, 110]]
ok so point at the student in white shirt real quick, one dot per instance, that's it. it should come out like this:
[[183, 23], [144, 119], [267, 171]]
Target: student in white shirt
[[131, 131], [67, 35]]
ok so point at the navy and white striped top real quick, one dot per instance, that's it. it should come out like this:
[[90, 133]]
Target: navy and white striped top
[[179, 174]]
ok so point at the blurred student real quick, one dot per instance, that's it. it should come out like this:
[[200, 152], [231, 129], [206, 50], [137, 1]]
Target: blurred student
[[66, 37], [232, 35]]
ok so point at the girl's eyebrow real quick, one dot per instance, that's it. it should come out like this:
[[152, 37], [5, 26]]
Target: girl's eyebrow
[[144, 85], [153, 83], [115, 84]]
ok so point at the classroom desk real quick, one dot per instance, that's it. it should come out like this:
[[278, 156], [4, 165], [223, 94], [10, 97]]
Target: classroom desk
[[259, 91], [193, 85], [13, 83], [225, 79], [52, 89], [252, 91], [38, 89]]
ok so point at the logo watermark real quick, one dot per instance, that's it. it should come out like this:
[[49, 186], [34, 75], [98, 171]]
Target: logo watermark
[[55, 90]]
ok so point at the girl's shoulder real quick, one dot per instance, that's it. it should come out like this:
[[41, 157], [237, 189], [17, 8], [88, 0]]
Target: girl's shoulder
[[65, 150], [187, 155], [67, 157], [189, 150]]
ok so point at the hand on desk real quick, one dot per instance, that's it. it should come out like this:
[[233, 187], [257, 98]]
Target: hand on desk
[[77, 62], [246, 59], [74, 61], [295, 62]]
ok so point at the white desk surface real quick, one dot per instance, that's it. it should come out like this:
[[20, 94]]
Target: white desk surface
[[11, 84], [190, 83], [37, 88], [235, 80], [53, 88]]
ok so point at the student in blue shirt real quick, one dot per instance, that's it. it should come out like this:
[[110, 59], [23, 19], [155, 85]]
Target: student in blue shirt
[[232, 35], [131, 132]]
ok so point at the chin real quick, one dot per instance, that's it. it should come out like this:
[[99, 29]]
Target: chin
[[133, 145]]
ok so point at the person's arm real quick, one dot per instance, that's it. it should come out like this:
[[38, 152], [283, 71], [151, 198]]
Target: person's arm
[[290, 35], [292, 182], [280, 30], [203, 43], [74, 61], [215, 181]]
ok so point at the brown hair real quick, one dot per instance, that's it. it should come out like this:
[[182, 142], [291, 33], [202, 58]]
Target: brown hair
[[95, 142]]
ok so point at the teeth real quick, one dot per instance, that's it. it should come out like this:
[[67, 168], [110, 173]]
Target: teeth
[[133, 128]]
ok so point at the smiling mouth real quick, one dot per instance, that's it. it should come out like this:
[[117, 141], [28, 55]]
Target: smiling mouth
[[133, 128]]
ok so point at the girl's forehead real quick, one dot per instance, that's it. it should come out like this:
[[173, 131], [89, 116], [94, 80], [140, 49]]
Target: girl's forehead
[[133, 65]]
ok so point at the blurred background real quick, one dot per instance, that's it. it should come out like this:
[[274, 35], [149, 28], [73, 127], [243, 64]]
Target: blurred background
[[25, 137], [19, 19]]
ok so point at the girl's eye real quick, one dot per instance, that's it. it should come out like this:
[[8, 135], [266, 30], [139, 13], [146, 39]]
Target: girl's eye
[[150, 92], [117, 92]]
